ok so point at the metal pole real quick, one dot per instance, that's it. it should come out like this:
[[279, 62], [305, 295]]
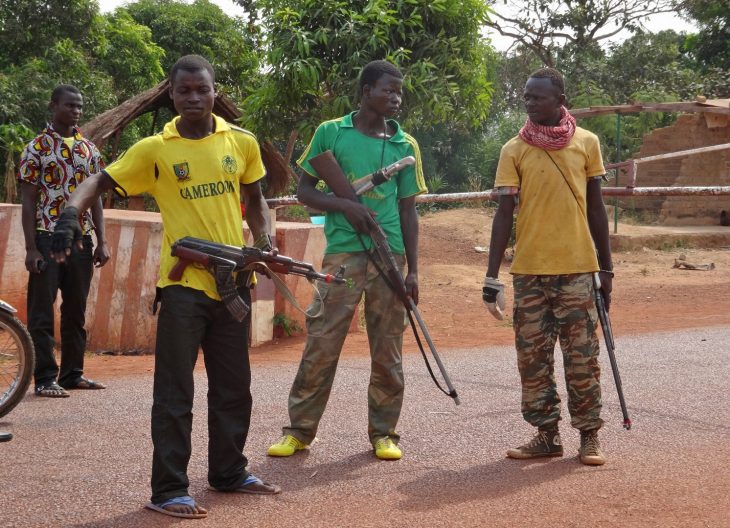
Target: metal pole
[[618, 171], [452, 391]]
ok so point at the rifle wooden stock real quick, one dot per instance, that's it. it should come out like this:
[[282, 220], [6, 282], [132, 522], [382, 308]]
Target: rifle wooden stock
[[186, 256]]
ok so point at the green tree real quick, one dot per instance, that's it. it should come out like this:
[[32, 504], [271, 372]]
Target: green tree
[[25, 89], [315, 50], [28, 27], [203, 28], [711, 44], [125, 50], [648, 63], [13, 139]]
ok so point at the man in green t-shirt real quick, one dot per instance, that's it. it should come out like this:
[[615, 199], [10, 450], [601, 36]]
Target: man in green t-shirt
[[362, 142]]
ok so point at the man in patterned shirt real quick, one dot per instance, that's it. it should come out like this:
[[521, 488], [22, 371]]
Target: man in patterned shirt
[[51, 167]]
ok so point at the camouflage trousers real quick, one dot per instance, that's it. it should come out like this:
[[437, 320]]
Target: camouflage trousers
[[385, 319], [548, 307]]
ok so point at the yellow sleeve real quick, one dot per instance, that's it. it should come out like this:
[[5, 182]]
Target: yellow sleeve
[[254, 168], [507, 171], [134, 171], [594, 160]]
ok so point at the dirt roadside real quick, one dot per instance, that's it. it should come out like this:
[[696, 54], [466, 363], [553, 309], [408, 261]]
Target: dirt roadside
[[649, 294]]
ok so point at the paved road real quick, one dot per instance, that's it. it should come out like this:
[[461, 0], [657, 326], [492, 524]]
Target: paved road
[[84, 461]]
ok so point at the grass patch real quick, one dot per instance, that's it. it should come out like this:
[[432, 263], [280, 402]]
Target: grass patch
[[671, 245], [287, 325]]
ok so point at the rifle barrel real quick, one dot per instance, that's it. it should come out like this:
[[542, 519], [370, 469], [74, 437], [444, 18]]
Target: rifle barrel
[[610, 347], [452, 391]]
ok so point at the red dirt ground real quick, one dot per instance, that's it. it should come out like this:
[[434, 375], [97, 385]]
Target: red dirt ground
[[649, 294]]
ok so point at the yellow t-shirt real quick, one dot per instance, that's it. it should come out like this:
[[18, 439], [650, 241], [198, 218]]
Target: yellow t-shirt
[[552, 235], [196, 185]]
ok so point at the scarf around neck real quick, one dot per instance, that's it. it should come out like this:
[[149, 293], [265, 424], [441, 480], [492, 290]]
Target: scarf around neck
[[550, 137]]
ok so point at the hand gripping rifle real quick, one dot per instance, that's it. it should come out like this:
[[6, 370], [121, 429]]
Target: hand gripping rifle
[[608, 337], [330, 171], [222, 260]]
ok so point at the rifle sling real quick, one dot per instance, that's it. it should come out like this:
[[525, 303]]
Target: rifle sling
[[284, 289], [390, 284]]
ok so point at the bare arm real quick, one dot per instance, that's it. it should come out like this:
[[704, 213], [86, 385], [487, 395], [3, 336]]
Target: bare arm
[[359, 216], [409, 228], [598, 225], [86, 194], [29, 201], [101, 252], [68, 230], [501, 230], [257, 211]]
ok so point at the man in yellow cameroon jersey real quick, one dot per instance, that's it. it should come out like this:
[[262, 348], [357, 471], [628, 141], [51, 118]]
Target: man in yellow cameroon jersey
[[196, 169]]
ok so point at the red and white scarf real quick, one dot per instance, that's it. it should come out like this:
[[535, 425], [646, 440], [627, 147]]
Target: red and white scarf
[[550, 137]]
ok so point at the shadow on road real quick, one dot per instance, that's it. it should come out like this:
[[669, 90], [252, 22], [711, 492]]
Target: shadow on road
[[490, 481]]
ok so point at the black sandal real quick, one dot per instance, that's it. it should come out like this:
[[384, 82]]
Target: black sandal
[[51, 390]]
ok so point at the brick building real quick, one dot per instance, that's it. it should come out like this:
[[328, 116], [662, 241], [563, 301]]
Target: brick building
[[703, 124], [706, 169]]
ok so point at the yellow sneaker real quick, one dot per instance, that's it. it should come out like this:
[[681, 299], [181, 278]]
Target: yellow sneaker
[[386, 449], [287, 446]]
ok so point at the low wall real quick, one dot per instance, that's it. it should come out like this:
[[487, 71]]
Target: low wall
[[118, 315]]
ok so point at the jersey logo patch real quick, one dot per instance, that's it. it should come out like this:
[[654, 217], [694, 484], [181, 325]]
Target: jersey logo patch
[[182, 171], [229, 164]]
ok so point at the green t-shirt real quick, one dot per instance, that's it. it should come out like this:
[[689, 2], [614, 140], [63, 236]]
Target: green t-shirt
[[360, 155]]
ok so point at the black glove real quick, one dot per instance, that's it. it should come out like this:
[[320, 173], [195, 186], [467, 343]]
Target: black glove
[[68, 231]]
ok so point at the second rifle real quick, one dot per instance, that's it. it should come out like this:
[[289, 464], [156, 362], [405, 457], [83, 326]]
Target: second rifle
[[331, 173]]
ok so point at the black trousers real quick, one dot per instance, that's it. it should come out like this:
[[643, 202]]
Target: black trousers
[[73, 279], [189, 319]]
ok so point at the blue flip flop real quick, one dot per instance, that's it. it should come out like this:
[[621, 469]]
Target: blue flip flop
[[254, 486], [185, 500]]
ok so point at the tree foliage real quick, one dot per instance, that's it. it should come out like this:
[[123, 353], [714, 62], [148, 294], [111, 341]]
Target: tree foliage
[[711, 45], [315, 50], [28, 27], [202, 28], [125, 49]]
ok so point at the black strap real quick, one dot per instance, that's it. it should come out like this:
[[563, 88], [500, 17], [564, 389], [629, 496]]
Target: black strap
[[382, 273], [564, 177]]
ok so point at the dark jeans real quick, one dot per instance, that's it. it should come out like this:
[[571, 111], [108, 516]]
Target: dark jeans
[[189, 319], [73, 279]]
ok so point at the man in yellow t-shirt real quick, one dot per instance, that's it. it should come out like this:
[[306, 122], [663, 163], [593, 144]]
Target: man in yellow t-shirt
[[196, 170], [562, 239]]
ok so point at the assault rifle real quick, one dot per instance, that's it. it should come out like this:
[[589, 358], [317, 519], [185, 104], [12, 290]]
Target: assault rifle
[[330, 171], [610, 346], [223, 260]]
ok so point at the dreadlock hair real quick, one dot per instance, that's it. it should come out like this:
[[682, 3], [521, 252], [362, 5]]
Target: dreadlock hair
[[61, 89], [374, 70], [556, 78], [191, 63]]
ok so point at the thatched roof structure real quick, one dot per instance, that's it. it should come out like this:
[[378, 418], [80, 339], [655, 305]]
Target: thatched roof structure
[[112, 123], [115, 120]]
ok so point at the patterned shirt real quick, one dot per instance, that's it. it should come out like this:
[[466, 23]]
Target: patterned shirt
[[57, 169]]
